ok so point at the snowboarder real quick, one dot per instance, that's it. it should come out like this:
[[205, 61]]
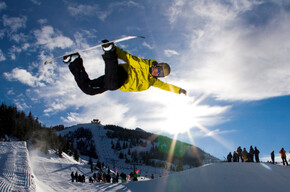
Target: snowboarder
[[283, 156], [135, 75]]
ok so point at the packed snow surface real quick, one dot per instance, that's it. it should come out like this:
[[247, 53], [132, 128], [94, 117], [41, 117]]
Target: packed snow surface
[[15, 170], [51, 173]]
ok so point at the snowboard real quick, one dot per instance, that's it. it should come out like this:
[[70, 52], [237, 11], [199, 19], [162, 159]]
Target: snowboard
[[93, 47]]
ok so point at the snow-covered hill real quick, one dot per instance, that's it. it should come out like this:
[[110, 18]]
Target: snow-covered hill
[[44, 173], [103, 144]]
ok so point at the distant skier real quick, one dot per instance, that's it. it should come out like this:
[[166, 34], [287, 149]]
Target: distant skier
[[135, 75]]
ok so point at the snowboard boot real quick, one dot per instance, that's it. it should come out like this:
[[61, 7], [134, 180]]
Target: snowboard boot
[[108, 47], [70, 58]]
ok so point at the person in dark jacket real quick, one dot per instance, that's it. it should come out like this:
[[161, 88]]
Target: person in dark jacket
[[229, 157], [123, 177], [273, 157], [251, 154], [235, 157], [256, 153], [72, 176], [239, 151]]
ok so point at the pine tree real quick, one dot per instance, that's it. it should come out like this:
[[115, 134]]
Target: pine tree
[[76, 155]]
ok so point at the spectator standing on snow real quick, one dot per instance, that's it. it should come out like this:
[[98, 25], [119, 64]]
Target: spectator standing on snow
[[108, 178], [117, 178], [152, 176], [135, 177], [72, 176], [256, 152], [273, 157], [95, 176], [245, 155], [77, 176], [283, 156], [229, 157], [235, 156], [251, 154], [239, 151], [123, 177]]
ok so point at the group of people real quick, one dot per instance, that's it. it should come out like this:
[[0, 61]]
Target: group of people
[[109, 177], [76, 177], [244, 155], [105, 178], [283, 156]]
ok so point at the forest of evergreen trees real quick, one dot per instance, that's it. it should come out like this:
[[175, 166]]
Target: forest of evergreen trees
[[183, 153], [17, 125]]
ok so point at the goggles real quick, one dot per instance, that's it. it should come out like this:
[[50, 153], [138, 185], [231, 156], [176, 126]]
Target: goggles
[[160, 71]]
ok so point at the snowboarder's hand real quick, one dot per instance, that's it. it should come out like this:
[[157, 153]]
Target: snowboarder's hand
[[182, 91]]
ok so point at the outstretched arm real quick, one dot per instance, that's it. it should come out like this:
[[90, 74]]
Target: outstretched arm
[[169, 87]]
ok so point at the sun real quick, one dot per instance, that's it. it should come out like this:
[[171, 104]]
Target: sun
[[182, 114]]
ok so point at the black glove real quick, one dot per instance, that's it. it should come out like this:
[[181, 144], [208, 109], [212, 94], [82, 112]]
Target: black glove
[[182, 91], [107, 46]]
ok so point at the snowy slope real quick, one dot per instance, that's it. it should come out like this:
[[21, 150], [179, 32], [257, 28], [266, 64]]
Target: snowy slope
[[220, 177], [52, 173], [15, 171]]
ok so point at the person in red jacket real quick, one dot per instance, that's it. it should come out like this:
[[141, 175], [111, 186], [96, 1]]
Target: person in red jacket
[[283, 156]]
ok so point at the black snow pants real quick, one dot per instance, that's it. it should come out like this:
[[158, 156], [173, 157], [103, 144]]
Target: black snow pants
[[115, 75]]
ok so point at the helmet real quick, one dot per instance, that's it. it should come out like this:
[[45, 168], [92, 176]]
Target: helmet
[[166, 69]]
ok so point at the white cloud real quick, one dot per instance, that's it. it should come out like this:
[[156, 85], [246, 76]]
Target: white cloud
[[229, 56], [147, 45], [14, 23], [23, 76], [170, 53], [42, 21], [14, 51], [89, 10], [95, 10], [2, 6], [2, 57], [51, 38]]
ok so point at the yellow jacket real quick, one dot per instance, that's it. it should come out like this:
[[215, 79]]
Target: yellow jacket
[[139, 76]]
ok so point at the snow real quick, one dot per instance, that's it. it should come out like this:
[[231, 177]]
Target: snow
[[15, 170], [21, 170]]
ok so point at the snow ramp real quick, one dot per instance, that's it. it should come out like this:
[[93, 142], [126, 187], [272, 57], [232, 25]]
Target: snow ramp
[[15, 170], [220, 177]]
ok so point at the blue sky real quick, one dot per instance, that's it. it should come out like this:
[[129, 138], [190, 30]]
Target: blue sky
[[231, 56]]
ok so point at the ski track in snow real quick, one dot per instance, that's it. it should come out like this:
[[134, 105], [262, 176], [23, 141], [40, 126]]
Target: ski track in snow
[[15, 172]]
